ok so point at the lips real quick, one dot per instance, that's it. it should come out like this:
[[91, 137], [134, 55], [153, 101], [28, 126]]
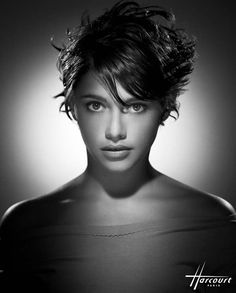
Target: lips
[[117, 148], [116, 153]]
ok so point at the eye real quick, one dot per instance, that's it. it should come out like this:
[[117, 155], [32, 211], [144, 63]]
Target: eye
[[94, 106], [137, 108]]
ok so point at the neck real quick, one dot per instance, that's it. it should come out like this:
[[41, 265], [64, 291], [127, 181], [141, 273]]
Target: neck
[[119, 184]]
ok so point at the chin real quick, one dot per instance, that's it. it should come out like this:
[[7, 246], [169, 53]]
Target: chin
[[117, 166]]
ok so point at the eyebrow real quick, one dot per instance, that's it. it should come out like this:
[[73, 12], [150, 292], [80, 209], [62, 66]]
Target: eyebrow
[[129, 100], [87, 96]]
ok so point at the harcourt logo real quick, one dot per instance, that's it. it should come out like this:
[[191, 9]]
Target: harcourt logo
[[210, 281]]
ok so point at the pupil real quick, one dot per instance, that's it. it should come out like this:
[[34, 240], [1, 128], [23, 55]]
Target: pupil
[[136, 107], [96, 106]]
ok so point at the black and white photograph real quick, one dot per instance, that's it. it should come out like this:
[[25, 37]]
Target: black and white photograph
[[118, 147]]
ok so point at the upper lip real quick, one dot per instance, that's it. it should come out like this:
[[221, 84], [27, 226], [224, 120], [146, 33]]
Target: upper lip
[[115, 148]]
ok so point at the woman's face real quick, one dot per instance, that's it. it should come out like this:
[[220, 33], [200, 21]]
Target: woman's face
[[116, 137]]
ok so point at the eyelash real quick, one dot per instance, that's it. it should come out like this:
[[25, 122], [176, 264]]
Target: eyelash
[[140, 105], [90, 105]]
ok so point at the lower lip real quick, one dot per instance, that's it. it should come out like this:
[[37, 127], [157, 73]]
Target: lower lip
[[116, 155]]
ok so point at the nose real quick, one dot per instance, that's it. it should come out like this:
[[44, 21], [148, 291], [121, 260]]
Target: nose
[[115, 129]]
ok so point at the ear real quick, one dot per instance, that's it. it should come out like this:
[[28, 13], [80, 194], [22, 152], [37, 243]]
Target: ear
[[72, 105], [74, 112]]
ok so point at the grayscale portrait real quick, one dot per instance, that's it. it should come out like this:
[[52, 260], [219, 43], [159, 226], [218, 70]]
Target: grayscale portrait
[[117, 147]]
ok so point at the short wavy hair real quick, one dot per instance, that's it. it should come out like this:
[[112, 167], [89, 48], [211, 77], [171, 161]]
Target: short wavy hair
[[137, 46]]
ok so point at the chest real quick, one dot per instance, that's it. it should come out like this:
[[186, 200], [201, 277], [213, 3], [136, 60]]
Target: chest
[[107, 213]]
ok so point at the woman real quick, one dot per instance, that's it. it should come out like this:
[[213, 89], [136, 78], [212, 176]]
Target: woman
[[121, 226]]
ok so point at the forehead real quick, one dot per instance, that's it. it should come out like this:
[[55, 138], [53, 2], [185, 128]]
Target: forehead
[[90, 84]]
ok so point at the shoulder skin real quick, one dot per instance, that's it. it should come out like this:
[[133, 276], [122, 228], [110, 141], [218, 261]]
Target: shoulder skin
[[171, 197]]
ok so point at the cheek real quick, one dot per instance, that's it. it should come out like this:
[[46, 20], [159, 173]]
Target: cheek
[[145, 129], [90, 130]]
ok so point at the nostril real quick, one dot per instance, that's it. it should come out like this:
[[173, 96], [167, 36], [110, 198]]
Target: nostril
[[115, 138], [115, 128]]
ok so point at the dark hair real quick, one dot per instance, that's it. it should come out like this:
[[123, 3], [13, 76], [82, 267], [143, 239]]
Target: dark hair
[[150, 59]]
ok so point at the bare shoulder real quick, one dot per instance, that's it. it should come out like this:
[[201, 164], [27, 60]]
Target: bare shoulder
[[192, 201], [15, 217], [38, 211]]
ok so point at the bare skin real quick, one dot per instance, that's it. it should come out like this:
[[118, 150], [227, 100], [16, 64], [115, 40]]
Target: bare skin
[[115, 192], [82, 202]]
